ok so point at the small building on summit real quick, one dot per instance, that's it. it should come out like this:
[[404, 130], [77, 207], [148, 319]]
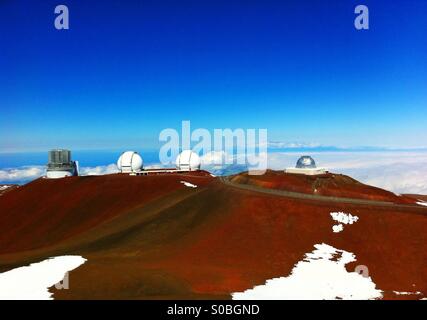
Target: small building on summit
[[306, 165], [60, 164]]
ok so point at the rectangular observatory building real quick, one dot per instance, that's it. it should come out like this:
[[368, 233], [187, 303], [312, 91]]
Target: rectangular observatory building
[[60, 164]]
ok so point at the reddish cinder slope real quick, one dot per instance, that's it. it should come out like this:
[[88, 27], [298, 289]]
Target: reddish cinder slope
[[47, 211], [264, 236], [417, 197], [329, 184], [7, 187], [211, 241]]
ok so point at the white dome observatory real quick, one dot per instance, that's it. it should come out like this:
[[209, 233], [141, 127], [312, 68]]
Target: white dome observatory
[[129, 161], [188, 160]]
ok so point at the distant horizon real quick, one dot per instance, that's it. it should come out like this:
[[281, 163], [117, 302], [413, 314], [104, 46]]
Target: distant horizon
[[396, 171]]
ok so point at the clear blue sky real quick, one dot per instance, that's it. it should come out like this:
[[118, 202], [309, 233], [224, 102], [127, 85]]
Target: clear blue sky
[[128, 69]]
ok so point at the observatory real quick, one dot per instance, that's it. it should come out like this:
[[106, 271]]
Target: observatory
[[188, 160], [130, 162], [60, 164], [306, 165]]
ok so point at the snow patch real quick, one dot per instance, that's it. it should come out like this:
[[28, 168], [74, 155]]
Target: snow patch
[[4, 187], [343, 217], [405, 293], [320, 275], [33, 282], [337, 228], [188, 184], [422, 203]]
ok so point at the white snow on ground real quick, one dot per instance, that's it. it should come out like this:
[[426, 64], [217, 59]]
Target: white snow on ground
[[422, 203], [188, 184], [32, 282], [320, 275], [343, 217], [3, 188], [407, 293], [337, 228]]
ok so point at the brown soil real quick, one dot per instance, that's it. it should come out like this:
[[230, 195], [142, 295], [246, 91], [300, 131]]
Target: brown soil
[[329, 184], [153, 238], [417, 197], [10, 187]]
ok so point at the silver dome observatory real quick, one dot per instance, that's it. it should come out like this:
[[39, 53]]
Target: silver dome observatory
[[306, 162], [306, 165]]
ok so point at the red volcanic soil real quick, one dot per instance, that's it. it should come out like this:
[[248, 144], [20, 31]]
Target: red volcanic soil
[[417, 197], [151, 237], [46, 211], [329, 184], [6, 188]]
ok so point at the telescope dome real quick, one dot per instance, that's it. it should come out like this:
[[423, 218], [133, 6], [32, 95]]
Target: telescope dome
[[306, 162], [130, 161], [188, 160]]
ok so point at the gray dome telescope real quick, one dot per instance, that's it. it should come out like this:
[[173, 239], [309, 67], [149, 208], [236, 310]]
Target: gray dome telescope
[[306, 162]]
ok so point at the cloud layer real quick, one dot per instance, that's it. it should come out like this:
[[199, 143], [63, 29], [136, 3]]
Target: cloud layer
[[21, 174], [99, 170], [400, 172], [29, 173]]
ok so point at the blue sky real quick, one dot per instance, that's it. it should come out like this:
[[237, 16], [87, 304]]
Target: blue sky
[[128, 69]]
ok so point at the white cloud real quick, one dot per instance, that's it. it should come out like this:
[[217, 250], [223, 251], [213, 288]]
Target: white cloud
[[99, 170], [216, 158], [283, 144], [156, 166], [21, 174], [29, 173]]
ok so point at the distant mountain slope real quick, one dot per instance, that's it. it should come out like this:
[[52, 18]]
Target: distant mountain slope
[[329, 184], [417, 197]]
